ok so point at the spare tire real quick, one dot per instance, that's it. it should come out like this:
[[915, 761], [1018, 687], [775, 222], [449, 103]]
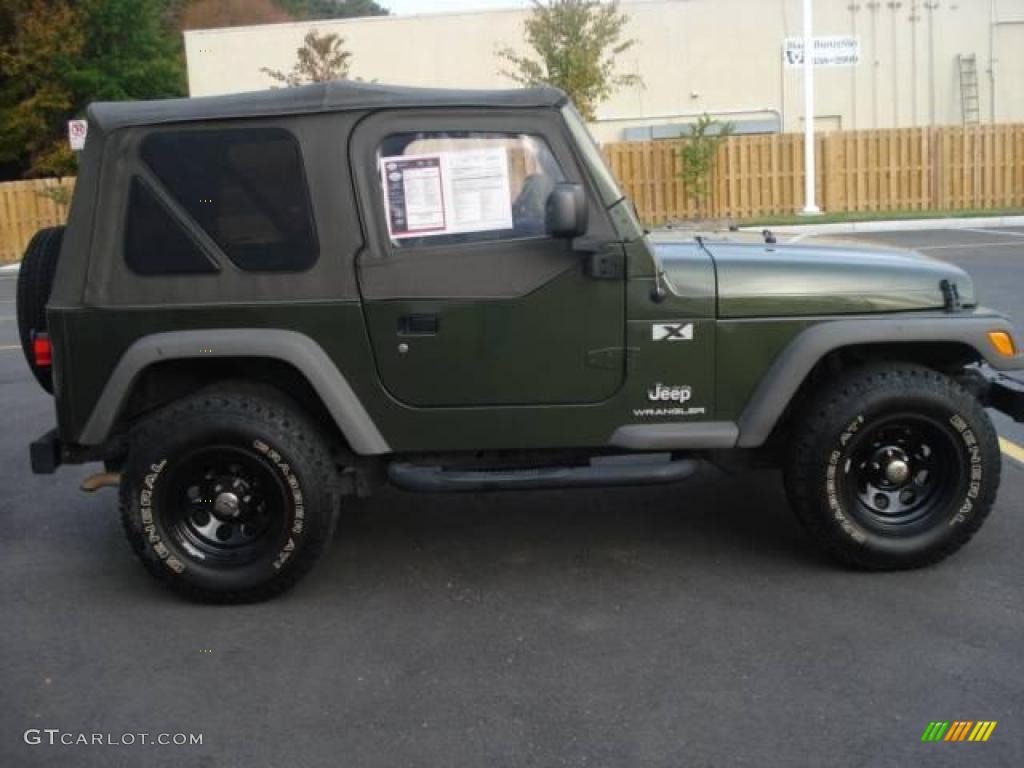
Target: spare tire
[[35, 281]]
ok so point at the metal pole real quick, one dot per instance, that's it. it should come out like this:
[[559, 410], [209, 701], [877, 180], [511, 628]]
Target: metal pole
[[810, 208], [994, 17], [931, 61]]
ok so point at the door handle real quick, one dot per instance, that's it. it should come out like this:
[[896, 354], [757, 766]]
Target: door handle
[[418, 325]]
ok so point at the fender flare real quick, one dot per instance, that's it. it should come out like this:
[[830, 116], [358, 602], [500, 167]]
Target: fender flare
[[791, 367], [296, 349]]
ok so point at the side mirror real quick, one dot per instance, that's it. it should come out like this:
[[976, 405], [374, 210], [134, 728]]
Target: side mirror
[[565, 213]]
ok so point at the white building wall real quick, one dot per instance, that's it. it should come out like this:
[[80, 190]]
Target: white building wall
[[719, 56]]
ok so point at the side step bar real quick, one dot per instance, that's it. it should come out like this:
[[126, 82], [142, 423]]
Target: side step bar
[[413, 477], [1007, 395]]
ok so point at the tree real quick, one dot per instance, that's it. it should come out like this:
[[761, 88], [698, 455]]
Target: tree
[[206, 14], [44, 42], [697, 154], [130, 53], [56, 56], [321, 58], [332, 9], [576, 43]]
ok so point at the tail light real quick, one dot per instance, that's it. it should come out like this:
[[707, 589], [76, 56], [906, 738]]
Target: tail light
[[42, 351]]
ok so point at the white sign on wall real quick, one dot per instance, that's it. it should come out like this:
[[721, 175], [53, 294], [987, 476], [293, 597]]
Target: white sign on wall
[[833, 51], [77, 129]]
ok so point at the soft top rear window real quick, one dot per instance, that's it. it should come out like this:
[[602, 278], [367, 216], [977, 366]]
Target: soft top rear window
[[245, 187]]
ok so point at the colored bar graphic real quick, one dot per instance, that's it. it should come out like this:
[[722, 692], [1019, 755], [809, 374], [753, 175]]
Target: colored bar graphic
[[982, 730], [958, 730]]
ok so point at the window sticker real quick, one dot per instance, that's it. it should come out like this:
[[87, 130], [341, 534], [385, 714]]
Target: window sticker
[[447, 192], [414, 195]]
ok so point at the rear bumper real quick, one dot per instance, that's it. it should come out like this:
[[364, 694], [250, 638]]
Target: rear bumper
[[48, 452], [45, 454]]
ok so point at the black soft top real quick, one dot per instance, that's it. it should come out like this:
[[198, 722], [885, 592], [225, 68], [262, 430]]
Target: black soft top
[[336, 96]]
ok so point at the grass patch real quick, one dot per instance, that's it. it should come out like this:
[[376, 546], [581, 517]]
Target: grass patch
[[833, 218]]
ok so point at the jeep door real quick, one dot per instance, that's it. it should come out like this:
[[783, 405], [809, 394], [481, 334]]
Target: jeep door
[[468, 301]]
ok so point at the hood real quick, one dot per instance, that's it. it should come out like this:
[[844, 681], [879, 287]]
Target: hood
[[757, 279]]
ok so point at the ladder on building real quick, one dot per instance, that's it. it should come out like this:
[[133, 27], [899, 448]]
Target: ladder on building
[[969, 89]]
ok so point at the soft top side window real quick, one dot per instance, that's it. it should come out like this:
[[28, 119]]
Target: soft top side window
[[155, 243], [446, 187], [245, 187]]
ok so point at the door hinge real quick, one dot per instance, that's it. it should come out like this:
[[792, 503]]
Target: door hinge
[[607, 264], [612, 358]]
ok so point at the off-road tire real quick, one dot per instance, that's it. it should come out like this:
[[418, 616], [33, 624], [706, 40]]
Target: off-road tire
[[271, 440], [35, 282], [831, 476]]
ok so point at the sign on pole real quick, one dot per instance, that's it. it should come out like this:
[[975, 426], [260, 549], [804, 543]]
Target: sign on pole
[[833, 51], [77, 130]]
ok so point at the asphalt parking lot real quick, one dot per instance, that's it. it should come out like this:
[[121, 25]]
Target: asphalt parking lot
[[689, 625]]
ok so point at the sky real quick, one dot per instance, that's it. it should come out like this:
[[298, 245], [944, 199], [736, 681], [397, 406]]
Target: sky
[[439, 6]]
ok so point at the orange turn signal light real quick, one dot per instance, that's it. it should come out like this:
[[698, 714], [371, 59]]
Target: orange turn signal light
[[1003, 342]]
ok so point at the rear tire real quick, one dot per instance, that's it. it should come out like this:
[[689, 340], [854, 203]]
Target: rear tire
[[229, 496], [35, 282], [893, 466]]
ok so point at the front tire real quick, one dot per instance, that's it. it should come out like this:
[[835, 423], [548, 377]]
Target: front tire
[[228, 496], [893, 466]]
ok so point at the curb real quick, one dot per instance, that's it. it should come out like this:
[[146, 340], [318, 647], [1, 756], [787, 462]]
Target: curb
[[895, 225], [10, 269]]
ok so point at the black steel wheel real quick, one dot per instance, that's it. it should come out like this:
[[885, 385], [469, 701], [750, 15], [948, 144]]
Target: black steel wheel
[[226, 503], [230, 495], [901, 472], [893, 466]]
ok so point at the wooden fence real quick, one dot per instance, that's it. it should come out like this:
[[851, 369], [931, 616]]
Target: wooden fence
[[26, 206], [903, 169]]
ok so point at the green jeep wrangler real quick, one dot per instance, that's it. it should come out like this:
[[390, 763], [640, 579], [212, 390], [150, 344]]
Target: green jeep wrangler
[[267, 303]]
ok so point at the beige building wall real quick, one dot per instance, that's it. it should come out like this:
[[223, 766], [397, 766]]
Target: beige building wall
[[720, 56]]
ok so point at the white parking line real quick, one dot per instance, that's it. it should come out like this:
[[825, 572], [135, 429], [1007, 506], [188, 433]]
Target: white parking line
[[996, 232], [969, 246]]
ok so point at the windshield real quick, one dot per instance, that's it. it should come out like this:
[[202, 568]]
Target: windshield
[[606, 184]]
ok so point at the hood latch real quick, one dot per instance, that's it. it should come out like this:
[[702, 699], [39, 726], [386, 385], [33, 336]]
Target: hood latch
[[950, 296]]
